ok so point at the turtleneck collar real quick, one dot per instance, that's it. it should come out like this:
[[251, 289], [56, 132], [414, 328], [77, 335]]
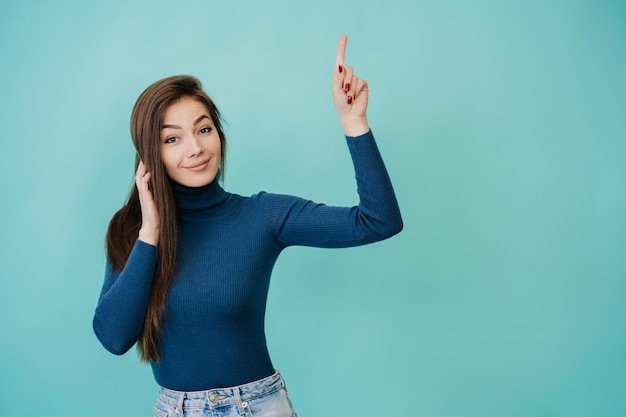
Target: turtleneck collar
[[198, 198]]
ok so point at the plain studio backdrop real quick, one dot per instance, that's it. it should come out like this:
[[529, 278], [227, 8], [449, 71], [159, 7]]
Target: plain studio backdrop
[[503, 126]]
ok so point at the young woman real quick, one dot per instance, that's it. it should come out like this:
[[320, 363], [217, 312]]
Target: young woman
[[189, 264]]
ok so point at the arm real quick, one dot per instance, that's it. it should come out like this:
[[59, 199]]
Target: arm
[[295, 221], [119, 317], [299, 222]]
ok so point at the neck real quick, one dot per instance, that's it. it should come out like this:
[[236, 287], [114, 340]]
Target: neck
[[198, 198]]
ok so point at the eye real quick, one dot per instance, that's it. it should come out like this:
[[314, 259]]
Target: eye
[[171, 139], [205, 130]]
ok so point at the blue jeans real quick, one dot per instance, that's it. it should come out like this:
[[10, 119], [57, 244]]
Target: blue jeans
[[266, 397]]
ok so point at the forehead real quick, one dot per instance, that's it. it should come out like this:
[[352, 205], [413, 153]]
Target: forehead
[[185, 110]]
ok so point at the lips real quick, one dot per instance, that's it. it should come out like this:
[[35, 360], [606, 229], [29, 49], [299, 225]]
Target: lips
[[198, 167]]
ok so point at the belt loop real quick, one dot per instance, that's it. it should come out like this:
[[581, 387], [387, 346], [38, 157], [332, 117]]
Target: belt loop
[[282, 379], [240, 405], [179, 405]]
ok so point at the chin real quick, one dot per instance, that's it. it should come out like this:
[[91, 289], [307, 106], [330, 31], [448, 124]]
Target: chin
[[195, 179]]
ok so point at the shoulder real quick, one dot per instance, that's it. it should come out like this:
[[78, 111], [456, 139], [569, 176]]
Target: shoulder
[[265, 200], [275, 208], [265, 196], [265, 203], [261, 198]]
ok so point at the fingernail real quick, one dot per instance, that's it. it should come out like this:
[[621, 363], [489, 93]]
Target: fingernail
[[349, 99], [340, 69], [347, 86]]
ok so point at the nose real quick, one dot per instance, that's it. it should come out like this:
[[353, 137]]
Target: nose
[[195, 147]]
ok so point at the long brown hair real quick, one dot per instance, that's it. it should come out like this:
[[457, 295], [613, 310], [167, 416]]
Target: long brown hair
[[145, 128]]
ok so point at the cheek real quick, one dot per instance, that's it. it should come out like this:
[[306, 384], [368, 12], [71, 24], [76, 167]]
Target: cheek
[[218, 148], [169, 160]]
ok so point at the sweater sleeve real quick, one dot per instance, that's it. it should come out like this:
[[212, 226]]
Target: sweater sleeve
[[123, 302], [295, 221]]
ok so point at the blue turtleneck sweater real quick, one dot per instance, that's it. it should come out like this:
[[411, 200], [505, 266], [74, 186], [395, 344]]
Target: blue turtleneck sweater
[[213, 334]]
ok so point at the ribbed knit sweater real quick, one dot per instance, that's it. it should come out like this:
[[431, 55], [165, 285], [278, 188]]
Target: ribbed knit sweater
[[213, 334]]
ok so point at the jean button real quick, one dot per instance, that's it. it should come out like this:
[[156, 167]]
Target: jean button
[[213, 398], [244, 404]]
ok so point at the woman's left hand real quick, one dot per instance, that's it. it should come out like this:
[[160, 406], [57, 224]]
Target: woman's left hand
[[350, 94]]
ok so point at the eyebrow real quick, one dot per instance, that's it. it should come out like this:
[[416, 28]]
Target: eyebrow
[[195, 122]]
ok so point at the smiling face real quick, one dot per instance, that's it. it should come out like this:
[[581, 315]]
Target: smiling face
[[190, 144]]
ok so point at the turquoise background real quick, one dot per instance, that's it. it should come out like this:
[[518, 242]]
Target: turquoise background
[[503, 127]]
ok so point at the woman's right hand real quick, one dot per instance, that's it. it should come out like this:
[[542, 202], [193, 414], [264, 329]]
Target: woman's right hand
[[350, 94], [150, 220]]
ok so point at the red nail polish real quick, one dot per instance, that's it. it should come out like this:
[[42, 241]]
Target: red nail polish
[[349, 99], [347, 86], [340, 69]]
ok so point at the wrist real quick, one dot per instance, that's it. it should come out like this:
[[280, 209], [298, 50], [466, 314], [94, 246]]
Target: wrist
[[354, 126], [149, 235]]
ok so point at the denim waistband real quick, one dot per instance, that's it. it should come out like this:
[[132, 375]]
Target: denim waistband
[[220, 397]]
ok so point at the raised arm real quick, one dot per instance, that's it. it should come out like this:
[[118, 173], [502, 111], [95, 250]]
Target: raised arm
[[296, 221]]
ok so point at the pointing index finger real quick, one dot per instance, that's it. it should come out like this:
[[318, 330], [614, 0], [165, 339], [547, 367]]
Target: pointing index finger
[[341, 50]]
